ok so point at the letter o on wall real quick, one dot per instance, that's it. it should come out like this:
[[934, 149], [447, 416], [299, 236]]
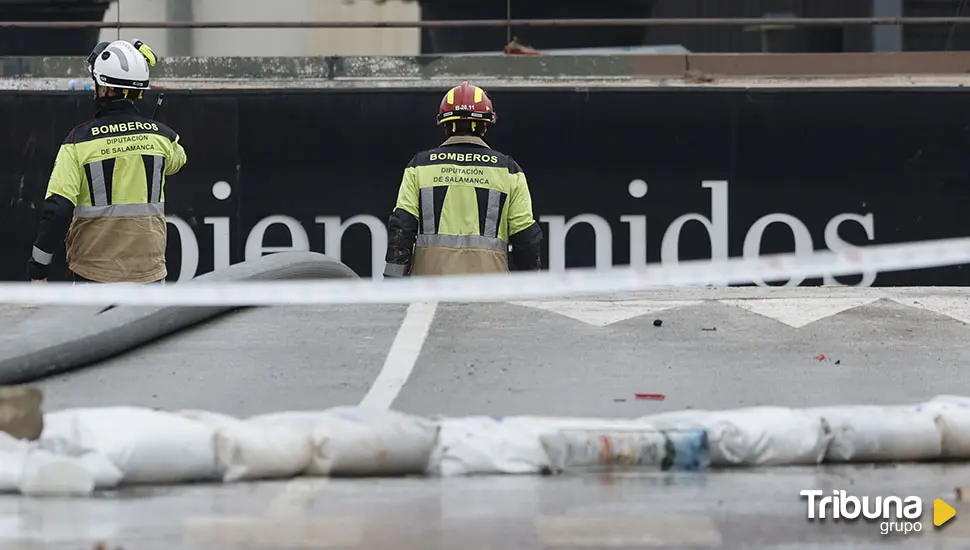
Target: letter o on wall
[[803, 240]]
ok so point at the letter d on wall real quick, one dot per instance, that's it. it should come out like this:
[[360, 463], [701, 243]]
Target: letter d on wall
[[717, 226]]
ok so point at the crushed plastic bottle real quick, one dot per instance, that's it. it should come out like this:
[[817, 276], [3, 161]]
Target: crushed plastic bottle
[[648, 448]]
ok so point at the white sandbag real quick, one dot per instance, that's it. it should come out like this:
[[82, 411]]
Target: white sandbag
[[951, 414], [953, 399], [754, 436], [212, 419], [871, 433], [303, 419], [146, 445], [12, 464], [253, 450], [486, 445], [550, 424], [954, 427], [105, 474], [48, 474], [246, 451], [351, 441]]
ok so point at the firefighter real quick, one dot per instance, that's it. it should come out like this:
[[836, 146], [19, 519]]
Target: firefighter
[[462, 204], [106, 192]]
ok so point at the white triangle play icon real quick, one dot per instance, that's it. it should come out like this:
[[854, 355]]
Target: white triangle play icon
[[603, 313], [798, 312]]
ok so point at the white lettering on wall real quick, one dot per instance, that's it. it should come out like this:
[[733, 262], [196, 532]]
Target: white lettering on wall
[[836, 244], [333, 235], [299, 240], [557, 232], [717, 226], [752, 241], [638, 225], [221, 190], [559, 229]]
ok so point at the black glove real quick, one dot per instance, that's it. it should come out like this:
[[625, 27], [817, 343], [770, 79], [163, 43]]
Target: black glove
[[36, 271]]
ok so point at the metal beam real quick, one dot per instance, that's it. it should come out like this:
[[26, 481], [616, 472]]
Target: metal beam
[[699, 21], [887, 38]]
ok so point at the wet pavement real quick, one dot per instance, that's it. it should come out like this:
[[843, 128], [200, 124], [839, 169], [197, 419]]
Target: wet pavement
[[713, 349], [734, 510]]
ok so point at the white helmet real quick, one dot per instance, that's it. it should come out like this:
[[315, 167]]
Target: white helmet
[[121, 65]]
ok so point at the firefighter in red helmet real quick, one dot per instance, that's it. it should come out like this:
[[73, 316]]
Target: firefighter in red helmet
[[462, 204]]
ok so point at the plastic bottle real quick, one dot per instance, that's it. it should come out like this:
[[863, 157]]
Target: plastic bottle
[[78, 84], [648, 448]]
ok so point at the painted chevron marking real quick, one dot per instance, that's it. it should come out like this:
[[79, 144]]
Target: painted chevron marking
[[798, 312], [603, 313], [954, 307]]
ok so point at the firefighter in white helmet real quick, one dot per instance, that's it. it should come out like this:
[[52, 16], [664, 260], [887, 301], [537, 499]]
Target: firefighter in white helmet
[[106, 193]]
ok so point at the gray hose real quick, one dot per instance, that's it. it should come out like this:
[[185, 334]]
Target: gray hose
[[70, 337]]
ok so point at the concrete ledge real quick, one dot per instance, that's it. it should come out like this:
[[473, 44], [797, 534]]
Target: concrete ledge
[[556, 66], [845, 64], [749, 70]]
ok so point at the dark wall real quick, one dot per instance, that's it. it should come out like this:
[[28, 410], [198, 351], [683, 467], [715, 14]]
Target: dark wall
[[34, 41], [828, 163], [696, 38]]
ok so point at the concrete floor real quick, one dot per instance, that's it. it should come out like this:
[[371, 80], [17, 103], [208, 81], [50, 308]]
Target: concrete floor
[[501, 359]]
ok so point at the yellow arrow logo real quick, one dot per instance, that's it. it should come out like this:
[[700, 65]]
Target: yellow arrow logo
[[942, 512]]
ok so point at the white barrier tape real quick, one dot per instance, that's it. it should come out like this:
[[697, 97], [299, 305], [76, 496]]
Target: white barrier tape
[[514, 286]]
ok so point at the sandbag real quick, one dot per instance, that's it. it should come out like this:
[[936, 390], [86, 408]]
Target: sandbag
[[105, 474], [13, 456], [951, 414], [485, 445], [146, 445], [351, 441], [47, 474], [250, 450], [303, 419], [753, 436], [11, 470], [646, 447], [871, 433], [247, 451], [954, 399], [212, 419]]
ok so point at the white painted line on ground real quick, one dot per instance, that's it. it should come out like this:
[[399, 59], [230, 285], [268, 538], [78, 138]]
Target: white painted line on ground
[[402, 356], [798, 312], [600, 313], [398, 365], [954, 307]]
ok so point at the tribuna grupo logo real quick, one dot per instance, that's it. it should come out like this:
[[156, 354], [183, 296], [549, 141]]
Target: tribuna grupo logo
[[894, 514]]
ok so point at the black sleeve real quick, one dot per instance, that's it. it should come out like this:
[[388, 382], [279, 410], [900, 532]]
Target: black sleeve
[[55, 219], [402, 230], [527, 248]]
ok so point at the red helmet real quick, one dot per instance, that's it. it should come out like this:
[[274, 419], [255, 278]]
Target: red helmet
[[466, 102]]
